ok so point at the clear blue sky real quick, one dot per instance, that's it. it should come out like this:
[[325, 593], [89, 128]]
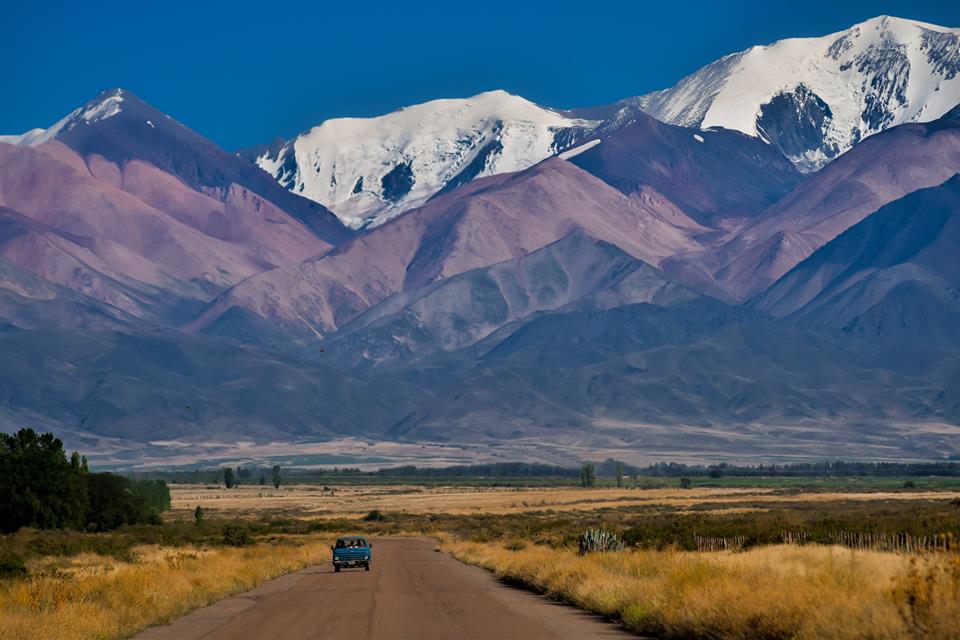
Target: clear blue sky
[[245, 72]]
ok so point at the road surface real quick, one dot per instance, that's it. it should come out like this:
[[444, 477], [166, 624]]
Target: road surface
[[412, 591]]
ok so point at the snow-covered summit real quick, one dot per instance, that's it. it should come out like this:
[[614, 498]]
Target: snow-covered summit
[[814, 98], [368, 170], [106, 105]]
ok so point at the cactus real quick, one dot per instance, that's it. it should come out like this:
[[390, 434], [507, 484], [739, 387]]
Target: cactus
[[593, 540]]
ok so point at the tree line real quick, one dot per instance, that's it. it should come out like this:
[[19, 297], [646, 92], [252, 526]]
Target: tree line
[[41, 487]]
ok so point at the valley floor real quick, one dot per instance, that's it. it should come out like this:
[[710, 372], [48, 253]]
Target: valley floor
[[755, 559]]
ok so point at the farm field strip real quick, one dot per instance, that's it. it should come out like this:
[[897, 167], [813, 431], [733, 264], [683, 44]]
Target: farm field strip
[[354, 501]]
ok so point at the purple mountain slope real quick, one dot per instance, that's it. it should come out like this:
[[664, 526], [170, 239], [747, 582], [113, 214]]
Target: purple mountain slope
[[895, 275], [457, 312], [119, 127], [709, 174], [84, 223], [881, 169], [487, 221]]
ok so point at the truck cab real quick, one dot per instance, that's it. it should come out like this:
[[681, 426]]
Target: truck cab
[[352, 551]]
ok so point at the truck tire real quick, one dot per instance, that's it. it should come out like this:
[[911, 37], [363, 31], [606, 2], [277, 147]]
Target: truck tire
[[366, 566], [336, 568]]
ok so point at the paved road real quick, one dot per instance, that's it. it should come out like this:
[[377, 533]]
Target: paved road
[[412, 591]]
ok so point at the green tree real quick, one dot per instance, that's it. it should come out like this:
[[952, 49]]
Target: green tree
[[685, 483], [39, 486], [228, 479], [113, 503], [154, 493], [263, 479], [619, 475], [588, 475], [276, 476], [198, 515]]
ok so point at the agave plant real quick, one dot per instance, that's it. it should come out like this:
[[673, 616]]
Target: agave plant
[[599, 540]]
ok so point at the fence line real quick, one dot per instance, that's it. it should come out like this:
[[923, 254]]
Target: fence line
[[872, 541]]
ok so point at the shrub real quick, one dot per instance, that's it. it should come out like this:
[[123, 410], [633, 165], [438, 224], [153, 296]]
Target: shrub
[[11, 565], [236, 535], [374, 516], [515, 545], [909, 484], [593, 540]]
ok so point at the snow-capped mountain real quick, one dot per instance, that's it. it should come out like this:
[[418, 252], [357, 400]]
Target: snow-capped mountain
[[107, 104], [368, 170], [814, 98]]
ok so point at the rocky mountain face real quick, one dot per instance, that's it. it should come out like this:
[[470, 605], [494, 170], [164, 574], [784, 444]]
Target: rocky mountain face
[[494, 272]]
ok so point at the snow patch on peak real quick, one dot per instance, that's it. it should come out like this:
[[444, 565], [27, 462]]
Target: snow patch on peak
[[36, 137], [104, 106], [368, 170], [814, 98], [572, 153], [107, 107]]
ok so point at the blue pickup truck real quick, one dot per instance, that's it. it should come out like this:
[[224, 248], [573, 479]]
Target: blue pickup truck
[[352, 551]]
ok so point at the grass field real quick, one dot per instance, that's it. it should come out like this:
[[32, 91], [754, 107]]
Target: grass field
[[354, 501], [775, 592], [89, 595], [108, 585]]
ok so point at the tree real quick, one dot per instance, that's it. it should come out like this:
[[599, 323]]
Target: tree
[[113, 504], [198, 515], [154, 493], [276, 476], [587, 475], [39, 486], [685, 483], [228, 479], [619, 475], [263, 479], [633, 478]]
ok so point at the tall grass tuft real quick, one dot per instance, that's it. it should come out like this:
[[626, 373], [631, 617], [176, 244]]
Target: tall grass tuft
[[598, 540]]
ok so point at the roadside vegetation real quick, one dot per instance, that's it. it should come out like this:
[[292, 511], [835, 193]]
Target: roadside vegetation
[[88, 595], [768, 592], [691, 552]]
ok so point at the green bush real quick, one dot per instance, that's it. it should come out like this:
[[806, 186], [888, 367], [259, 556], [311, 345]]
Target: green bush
[[598, 540], [236, 535], [11, 565], [374, 516]]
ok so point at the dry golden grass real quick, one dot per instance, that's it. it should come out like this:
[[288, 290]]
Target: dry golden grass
[[354, 501], [770, 592], [90, 596]]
